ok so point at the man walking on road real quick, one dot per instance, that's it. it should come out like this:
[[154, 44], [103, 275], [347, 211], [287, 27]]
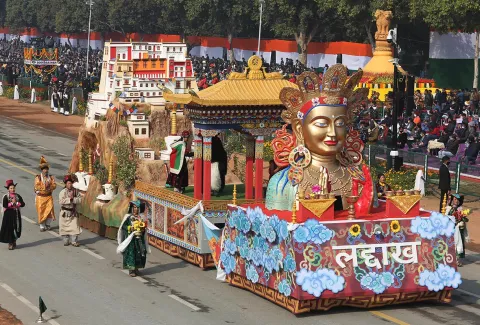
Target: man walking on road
[[69, 225], [44, 187], [444, 183]]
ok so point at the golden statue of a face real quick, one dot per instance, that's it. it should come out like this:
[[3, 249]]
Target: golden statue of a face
[[323, 130]]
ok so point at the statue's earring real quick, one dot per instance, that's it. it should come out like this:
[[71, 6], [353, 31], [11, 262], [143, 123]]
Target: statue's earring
[[299, 159]]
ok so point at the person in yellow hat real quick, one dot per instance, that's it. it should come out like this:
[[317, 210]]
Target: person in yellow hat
[[44, 186]]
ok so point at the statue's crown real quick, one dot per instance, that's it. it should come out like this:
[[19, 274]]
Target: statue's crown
[[334, 90]]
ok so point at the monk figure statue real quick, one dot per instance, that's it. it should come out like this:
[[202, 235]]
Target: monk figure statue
[[323, 153]]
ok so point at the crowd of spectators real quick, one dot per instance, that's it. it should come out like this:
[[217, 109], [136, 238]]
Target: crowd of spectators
[[71, 62], [442, 124], [209, 71]]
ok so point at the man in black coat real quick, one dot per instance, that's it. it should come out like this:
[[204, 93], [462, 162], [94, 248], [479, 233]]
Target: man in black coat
[[444, 183], [220, 155]]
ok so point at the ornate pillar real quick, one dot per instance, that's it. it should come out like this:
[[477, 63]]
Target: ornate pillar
[[173, 116], [197, 167], [250, 146], [259, 167], [207, 167]]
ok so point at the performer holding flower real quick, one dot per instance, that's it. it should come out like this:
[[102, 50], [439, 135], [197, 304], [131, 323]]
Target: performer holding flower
[[132, 240], [382, 186], [459, 216], [12, 218]]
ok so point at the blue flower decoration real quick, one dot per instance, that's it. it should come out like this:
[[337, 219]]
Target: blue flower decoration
[[377, 282], [289, 264], [257, 257], [274, 222], [260, 243], [277, 254], [245, 252], [315, 282], [301, 234], [271, 236], [429, 228], [257, 218], [269, 263], [284, 288], [228, 262], [443, 276], [229, 247], [244, 224], [313, 231], [282, 231], [241, 240], [252, 274]]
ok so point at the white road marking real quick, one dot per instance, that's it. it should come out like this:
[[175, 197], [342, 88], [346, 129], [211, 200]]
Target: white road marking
[[61, 154], [23, 141], [42, 147], [468, 293], [139, 278], [28, 220], [26, 302], [186, 303], [93, 254], [466, 308], [51, 232]]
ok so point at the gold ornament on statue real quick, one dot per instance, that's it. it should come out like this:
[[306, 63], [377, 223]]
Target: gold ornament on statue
[[80, 162], [90, 163]]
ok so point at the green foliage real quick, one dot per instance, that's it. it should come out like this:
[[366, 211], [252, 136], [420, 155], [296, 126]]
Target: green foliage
[[8, 92], [123, 123], [100, 171], [239, 168], [84, 158], [157, 144], [234, 143], [404, 179], [147, 112], [126, 165], [81, 107]]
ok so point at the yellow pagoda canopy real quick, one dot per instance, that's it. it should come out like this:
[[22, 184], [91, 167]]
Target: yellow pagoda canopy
[[254, 87]]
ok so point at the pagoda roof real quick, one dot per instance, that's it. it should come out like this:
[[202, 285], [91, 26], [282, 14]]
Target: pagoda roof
[[254, 87]]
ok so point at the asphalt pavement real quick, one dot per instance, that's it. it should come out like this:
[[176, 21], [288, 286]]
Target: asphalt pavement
[[86, 285]]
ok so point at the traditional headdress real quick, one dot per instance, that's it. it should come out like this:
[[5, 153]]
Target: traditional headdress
[[185, 134], [138, 204], [43, 163], [9, 183], [334, 91], [69, 178]]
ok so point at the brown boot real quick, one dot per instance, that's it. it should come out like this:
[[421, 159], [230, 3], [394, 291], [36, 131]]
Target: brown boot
[[10, 247]]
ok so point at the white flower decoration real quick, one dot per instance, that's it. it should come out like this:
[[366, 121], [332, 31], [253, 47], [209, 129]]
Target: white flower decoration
[[316, 101], [300, 115]]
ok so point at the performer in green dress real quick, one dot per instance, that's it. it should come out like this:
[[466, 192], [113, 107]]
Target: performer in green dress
[[132, 240]]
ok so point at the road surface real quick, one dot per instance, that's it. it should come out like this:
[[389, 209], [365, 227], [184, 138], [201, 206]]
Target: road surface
[[86, 285]]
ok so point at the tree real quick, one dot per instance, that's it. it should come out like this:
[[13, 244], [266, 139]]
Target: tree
[[45, 15], [20, 14], [451, 15], [303, 19], [71, 17]]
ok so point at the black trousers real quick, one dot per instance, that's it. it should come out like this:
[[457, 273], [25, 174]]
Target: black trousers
[[443, 193]]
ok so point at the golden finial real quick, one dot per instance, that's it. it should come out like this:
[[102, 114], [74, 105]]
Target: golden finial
[[234, 200], [294, 211], [444, 204], [90, 163], [174, 120], [80, 163], [110, 170]]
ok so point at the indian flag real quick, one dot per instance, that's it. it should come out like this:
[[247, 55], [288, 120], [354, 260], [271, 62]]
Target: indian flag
[[451, 59], [176, 157]]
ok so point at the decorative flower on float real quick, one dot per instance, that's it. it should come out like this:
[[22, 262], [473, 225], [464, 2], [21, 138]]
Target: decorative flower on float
[[395, 226], [313, 231], [355, 230], [377, 282], [315, 282], [228, 262], [285, 288], [432, 227], [252, 274], [443, 276]]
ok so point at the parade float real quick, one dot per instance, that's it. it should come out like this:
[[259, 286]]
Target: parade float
[[320, 238]]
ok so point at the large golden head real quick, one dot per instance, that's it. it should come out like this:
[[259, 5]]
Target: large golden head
[[319, 113]]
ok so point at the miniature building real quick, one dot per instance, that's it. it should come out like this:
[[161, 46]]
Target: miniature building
[[145, 153], [139, 71], [138, 126]]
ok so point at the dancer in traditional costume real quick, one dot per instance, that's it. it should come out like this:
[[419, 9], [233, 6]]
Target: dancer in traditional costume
[[66, 111], [132, 240], [1, 88], [33, 98], [55, 100], [44, 187], [12, 218], [61, 101], [68, 221], [178, 177], [382, 187], [220, 158]]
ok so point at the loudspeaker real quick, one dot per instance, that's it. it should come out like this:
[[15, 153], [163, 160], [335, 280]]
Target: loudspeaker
[[339, 58], [410, 93]]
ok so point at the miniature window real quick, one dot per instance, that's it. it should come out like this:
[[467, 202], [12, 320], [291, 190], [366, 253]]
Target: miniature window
[[147, 155], [123, 56], [136, 131], [177, 85], [144, 131]]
